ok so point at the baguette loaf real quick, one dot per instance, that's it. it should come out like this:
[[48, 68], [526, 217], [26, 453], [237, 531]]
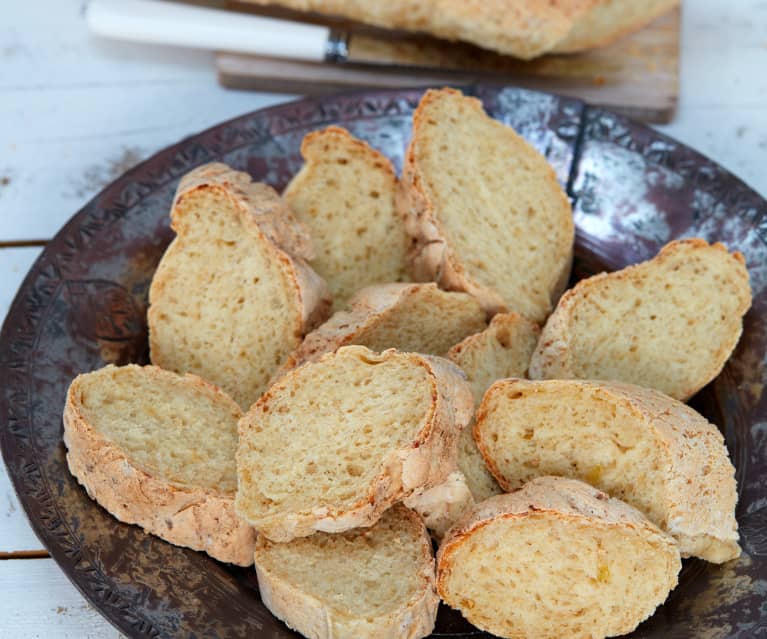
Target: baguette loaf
[[366, 583], [157, 449], [334, 443], [556, 559], [345, 196], [502, 350], [484, 208], [416, 318], [232, 296], [637, 444], [669, 323]]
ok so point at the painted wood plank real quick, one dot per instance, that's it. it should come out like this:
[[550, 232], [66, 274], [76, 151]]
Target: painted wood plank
[[39, 601], [15, 533]]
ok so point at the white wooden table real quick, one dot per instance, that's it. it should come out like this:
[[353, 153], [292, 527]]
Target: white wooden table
[[76, 112]]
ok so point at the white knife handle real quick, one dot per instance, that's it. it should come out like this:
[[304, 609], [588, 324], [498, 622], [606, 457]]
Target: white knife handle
[[177, 24]]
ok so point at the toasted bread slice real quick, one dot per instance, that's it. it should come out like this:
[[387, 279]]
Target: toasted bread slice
[[657, 324], [366, 583], [443, 505], [609, 20], [502, 350], [334, 443], [484, 208], [639, 445], [417, 318], [157, 449], [232, 296], [345, 195], [555, 559]]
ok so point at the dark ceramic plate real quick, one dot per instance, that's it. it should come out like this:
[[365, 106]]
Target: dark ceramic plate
[[84, 301]]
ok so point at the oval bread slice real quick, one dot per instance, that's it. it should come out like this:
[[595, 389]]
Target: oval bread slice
[[157, 449], [484, 208], [334, 443], [502, 350], [345, 195], [556, 559], [638, 445], [669, 323], [366, 583], [417, 318], [233, 295]]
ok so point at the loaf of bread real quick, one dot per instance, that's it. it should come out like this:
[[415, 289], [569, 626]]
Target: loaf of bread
[[157, 449], [484, 208], [556, 559], [345, 195], [417, 318], [669, 323], [366, 583], [520, 28], [233, 295], [441, 506], [333, 444], [502, 350], [636, 444]]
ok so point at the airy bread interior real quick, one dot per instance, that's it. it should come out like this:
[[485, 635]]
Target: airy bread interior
[[177, 428], [345, 195], [319, 438], [223, 303], [497, 202]]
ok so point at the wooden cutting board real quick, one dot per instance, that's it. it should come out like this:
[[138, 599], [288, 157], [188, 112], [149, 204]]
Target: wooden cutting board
[[638, 76]]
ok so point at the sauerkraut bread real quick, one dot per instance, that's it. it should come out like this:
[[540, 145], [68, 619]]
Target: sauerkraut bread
[[233, 295], [157, 449], [484, 209], [637, 444], [345, 195], [366, 583], [669, 323], [334, 443], [557, 558]]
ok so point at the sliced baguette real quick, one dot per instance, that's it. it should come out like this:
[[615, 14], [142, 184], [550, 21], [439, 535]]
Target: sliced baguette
[[417, 318], [556, 559], [232, 296], [669, 323], [334, 443], [366, 583], [484, 208], [441, 506], [502, 350], [157, 449], [638, 445], [345, 196]]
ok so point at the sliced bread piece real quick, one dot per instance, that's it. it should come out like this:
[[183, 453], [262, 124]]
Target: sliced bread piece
[[443, 505], [556, 559], [333, 444], [484, 208], [232, 296], [366, 583], [157, 449], [345, 195], [502, 350], [639, 445], [417, 318], [669, 323]]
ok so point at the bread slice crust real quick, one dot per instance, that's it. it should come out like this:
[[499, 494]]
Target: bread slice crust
[[439, 252], [424, 461], [345, 194], [378, 311], [549, 500], [562, 352], [696, 488], [318, 618], [185, 515], [265, 221]]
